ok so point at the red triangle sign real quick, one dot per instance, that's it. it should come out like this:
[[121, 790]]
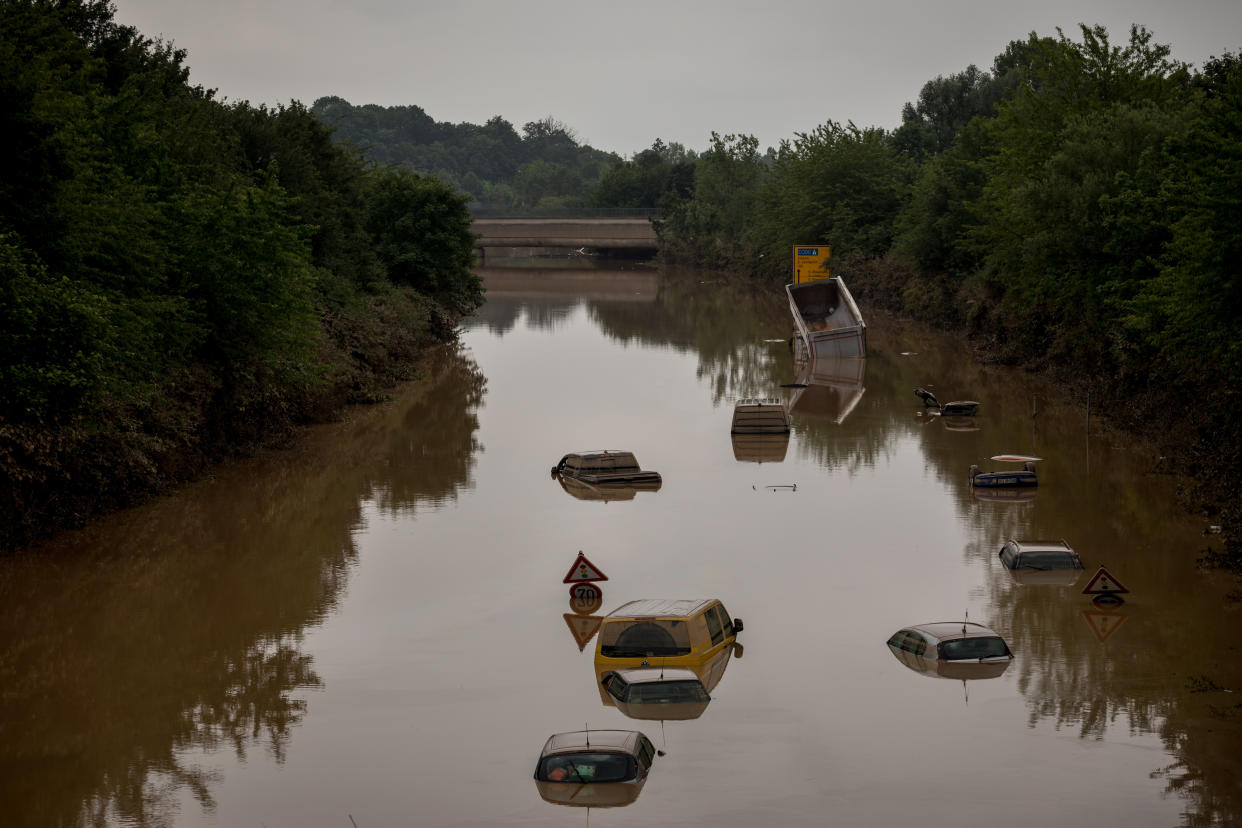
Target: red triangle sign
[[584, 570], [1104, 624], [583, 627], [1103, 583]]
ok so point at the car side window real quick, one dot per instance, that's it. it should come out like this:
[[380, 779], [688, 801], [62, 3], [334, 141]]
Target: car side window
[[646, 751], [726, 623], [1007, 555], [714, 627], [615, 686]]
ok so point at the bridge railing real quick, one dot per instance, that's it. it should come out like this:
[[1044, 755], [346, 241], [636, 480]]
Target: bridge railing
[[481, 211]]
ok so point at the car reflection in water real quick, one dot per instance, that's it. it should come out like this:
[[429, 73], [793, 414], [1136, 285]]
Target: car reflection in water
[[951, 650], [651, 693], [583, 490], [999, 495], [959, 423], [759, 448], [832, 387], [594, 768]]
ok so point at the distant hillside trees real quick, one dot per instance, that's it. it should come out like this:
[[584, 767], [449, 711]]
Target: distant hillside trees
[[544, 167], [653, 178]]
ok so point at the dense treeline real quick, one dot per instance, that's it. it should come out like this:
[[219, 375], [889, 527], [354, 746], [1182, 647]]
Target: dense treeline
[[1076, 209], [181, 277], [543, 168]]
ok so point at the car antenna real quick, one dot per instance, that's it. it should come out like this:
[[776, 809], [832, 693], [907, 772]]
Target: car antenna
[[964, 622], [588, 734]]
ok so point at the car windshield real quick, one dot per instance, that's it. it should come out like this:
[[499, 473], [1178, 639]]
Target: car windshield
[[587, 767], [1047, 560], [635, 639], [667, 692], [966, 649]]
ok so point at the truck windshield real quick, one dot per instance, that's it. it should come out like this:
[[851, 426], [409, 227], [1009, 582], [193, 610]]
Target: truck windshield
[[635, 639]]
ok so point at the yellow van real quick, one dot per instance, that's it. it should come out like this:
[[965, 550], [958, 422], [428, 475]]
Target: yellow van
[[655, 632]]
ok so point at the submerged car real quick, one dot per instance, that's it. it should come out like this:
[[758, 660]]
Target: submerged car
[[667, 694], [951, 649], [594, 768], [656, 632], [607, 468], [1041, 561]]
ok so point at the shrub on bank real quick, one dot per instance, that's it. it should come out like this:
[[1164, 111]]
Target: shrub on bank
[[183, 279]]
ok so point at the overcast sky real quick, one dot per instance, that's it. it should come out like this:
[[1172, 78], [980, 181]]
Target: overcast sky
[[626, 72]]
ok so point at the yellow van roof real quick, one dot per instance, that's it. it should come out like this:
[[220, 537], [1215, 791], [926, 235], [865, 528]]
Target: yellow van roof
[[661, 608]]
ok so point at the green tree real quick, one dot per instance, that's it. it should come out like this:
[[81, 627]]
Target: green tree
[[836, 184], [709, 227], [652, 178], [422, 235]]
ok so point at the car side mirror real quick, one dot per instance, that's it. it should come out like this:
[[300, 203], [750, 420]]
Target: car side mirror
[[737, 625]]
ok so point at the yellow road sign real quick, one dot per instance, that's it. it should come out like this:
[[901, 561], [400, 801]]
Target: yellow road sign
[[810, 262]]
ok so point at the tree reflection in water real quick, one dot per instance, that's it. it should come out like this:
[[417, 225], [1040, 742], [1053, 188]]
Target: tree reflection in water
[[1114, 512], [175, 629]]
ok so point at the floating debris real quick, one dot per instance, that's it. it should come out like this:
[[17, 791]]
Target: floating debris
[[791, 487]]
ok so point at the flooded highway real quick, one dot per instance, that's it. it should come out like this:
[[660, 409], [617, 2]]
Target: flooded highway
[[373, 628]]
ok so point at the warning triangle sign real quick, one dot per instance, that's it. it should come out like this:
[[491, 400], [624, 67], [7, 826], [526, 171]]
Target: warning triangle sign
[[583, 627], [1104, 624], [1103, 583], [584, 570]]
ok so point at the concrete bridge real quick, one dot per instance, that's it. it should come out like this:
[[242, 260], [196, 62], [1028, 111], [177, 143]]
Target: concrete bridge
[[604, 232]]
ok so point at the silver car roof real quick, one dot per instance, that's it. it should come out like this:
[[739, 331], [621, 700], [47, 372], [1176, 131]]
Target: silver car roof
[[948, 630], [615, 740], [1041, 545]]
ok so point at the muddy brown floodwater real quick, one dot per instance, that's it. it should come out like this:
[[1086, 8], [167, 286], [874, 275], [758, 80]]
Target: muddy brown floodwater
[[371, 628]]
